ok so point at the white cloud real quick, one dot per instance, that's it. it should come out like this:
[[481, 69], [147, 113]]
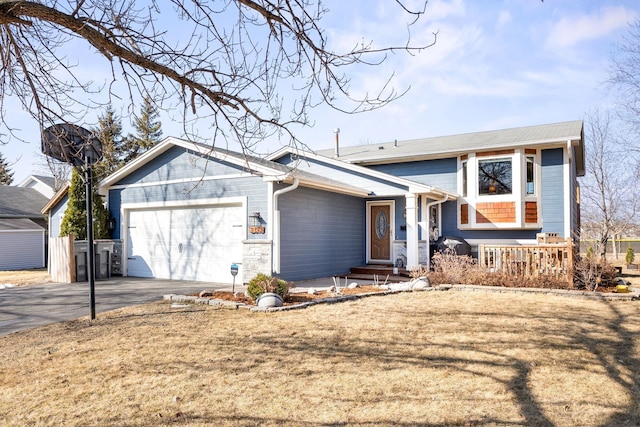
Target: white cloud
[[572, 30], [504, 18], [438, 10]]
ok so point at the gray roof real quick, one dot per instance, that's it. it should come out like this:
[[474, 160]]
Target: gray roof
[[288, 170], [441, 146], [49, 180], [19, 202], [15, 224]]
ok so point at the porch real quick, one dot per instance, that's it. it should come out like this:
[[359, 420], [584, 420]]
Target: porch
[[382, 271]]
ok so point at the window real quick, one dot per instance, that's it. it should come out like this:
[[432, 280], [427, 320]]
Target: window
[[530, 175], [494, 176], [464, 179]]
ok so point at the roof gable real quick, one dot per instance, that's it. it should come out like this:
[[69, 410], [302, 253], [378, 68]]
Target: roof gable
[[43, 184], [268, 170]]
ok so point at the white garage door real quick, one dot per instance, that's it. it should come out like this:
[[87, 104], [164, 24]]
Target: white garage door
[[197, 243]]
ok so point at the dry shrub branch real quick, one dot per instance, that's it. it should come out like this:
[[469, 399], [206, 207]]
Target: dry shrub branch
[[450, 268]]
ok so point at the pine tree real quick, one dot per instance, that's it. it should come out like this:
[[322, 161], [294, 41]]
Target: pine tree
[[75, 217], [148, 131], [6, 176], [109, 133]]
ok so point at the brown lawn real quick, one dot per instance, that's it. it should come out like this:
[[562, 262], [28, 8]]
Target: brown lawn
[[25, 277], [431, 359]]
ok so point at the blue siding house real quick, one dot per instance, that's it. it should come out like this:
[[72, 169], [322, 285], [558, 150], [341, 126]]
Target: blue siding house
[[189, 211]]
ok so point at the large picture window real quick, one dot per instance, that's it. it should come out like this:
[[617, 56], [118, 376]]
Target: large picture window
[[495, 176]]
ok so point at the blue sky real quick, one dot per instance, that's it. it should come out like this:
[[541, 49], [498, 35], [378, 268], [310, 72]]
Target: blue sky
[[496, 64]]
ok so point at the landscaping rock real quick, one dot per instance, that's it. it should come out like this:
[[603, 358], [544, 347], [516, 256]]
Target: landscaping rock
[[203, 294], [269, 299], [420, 284], [406, 286], [312, 291], [353, 285]]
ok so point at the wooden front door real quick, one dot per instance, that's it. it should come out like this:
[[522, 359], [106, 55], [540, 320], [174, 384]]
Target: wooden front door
[[380, 233]]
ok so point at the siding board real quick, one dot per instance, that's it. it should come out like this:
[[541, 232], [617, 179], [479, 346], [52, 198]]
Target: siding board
[[553, 191], [21, 250], [178, 163], [322, 234], [440, 173], [253, 187]]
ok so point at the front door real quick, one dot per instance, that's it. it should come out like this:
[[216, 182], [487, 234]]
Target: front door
[[380, 223]]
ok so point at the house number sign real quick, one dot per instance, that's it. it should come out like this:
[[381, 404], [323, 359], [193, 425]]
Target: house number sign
[[382, 224]]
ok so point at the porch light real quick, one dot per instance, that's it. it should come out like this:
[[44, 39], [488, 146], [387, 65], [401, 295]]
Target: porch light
[[255, 223]]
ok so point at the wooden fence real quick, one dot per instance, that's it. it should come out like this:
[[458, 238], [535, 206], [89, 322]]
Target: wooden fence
[[62, 260], [554, 259]]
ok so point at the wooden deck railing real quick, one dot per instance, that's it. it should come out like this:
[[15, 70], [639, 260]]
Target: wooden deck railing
[[555, 260]]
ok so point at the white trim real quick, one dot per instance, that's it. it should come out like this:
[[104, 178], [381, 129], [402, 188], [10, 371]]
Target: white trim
[[412, 186], [203, 150], [518, 194], [186, 203], [270, 221], [336, 187], [411, 209], [180, 181], [392, 215], [276, 226], [566, 176]]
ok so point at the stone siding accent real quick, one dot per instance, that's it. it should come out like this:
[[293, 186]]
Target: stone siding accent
[[400, 253], [256, 258]]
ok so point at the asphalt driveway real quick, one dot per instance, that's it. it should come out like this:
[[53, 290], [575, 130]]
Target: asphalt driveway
[[26, 307]]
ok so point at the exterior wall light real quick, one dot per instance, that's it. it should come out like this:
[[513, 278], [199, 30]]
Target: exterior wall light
[[256, 224]]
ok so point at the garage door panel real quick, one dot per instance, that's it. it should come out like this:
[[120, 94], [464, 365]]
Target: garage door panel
[[186, 243]]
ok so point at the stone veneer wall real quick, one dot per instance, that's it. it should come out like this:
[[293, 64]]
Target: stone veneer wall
[[400, 253], [256, 258]]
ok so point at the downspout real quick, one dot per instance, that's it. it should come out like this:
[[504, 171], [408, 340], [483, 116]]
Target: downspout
[[428, 239], [276, 224]]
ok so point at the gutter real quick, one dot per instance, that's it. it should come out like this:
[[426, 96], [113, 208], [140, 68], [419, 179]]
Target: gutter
[[428, 239], [276, 224]]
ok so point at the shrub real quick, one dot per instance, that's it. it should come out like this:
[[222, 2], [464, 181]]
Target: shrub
[[419, 271], [262, 283], [590, 252], [448, 267], [589, 273], [630, 255]]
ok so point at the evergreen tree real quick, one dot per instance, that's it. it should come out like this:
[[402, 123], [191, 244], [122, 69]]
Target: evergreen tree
[[109, 132], [6, 176], [75, 217], [148, 131]]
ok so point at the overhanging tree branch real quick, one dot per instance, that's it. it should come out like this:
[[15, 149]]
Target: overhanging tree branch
[[249, 68]]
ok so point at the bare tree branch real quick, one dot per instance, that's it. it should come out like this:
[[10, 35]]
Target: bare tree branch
[[247, 68]]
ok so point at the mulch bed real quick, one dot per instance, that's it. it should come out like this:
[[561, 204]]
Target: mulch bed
[[292, 298]]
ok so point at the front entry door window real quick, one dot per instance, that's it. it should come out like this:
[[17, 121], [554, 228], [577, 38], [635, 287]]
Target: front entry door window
[[380, 233]]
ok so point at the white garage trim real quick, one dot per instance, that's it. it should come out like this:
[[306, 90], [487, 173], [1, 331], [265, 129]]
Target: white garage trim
[[239, 204], [186, 203]]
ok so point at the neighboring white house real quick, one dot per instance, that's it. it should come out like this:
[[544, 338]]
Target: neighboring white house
[[23, 238], [45, 185]]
